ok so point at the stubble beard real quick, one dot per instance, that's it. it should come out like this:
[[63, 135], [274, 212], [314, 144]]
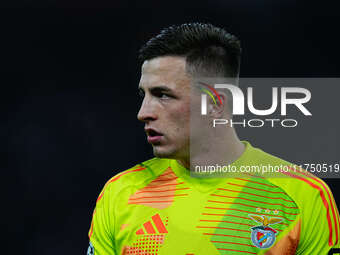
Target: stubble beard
[[171, 153], [159, 153]]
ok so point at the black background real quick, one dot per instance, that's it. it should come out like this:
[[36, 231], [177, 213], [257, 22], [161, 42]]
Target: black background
[[69, 100]]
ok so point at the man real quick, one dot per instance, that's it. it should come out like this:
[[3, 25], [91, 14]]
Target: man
[[157, 207]]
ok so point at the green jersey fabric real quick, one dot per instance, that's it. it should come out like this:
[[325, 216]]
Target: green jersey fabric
[[157, 208]]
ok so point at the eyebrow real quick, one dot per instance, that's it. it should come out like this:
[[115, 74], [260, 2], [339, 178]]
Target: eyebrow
[[157, 88]]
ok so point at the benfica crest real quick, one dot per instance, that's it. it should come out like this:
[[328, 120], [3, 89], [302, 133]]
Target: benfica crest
[[263, 236]]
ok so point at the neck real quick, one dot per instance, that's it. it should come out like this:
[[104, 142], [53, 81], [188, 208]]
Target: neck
[[214, 150]]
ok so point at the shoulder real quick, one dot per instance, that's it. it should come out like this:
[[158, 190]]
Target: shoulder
[[306, 189], [287, 175], [136, 176]]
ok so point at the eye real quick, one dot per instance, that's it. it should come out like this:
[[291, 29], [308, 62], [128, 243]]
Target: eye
[[161, 94]]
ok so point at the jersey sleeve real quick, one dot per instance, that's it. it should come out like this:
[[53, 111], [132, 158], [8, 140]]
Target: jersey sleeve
[[101, 233], [320, 223]]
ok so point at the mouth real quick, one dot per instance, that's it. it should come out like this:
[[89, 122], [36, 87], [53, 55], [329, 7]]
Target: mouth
[[154, 137]]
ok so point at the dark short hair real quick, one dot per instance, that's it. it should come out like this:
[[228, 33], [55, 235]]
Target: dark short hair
[[209, 50]]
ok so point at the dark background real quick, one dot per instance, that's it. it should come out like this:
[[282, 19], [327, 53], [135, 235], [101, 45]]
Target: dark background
[[69, 100]]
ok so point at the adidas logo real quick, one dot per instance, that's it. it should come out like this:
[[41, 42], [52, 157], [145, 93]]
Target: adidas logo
[[153, 226]]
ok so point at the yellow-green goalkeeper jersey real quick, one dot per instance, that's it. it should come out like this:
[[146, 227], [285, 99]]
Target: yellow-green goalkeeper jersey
[[158, 208]]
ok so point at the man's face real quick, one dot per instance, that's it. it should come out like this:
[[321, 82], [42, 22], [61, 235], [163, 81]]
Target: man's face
[[166, 106]]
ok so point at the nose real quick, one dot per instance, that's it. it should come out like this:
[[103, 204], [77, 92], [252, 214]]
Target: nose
[[147, 111]]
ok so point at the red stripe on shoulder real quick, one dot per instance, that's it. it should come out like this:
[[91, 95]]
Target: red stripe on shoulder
[[126, 172], [116, 178], [335, 215], [324, 201], [91, 231]]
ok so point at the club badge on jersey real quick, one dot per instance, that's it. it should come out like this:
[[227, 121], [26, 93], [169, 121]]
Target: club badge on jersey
[[263, 236]]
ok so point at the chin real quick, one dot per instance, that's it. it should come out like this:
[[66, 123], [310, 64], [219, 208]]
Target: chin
[[162, 153], [170, 153]]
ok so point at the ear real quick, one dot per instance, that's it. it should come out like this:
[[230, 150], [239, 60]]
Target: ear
[[217, 108]]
